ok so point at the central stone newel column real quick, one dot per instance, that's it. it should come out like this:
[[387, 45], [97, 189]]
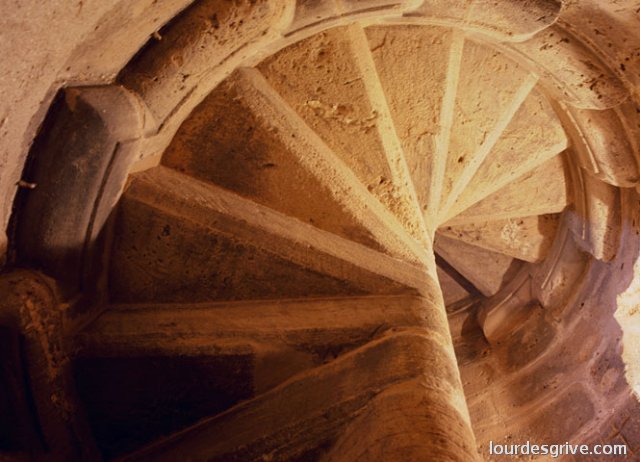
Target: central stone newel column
[[395, 397], [420, 415]]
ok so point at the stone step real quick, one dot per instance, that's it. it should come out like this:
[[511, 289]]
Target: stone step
[[331, 82], [178, 239], [485, 104], [295, 143], [149, 370], [486, 270], [533, 136], [408, 207], [544, 190], [419, 96], [190, 329], [344, 410], [246, 155], [526, 238], [452, 291]]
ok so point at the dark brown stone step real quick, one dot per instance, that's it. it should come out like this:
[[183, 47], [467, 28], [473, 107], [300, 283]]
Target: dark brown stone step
[[179, 239]]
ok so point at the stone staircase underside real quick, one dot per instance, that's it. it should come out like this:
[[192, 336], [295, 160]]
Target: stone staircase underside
[[298, 182]]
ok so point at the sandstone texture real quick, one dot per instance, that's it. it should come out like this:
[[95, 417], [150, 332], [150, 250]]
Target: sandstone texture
[[250, 230]]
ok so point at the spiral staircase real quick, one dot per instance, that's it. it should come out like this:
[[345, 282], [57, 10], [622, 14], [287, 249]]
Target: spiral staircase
[[310, 191]]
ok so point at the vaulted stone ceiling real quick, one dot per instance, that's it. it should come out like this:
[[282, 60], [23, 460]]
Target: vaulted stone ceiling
[[307, 187]]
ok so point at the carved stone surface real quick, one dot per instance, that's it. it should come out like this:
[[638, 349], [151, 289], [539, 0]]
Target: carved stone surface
[[239, 203], [79, 163]]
